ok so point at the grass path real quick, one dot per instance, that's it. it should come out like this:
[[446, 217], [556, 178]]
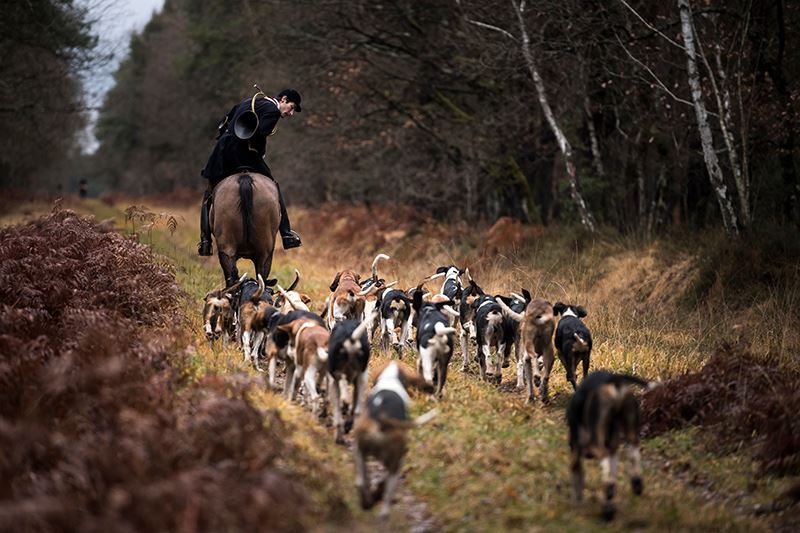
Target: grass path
[[489, 462]]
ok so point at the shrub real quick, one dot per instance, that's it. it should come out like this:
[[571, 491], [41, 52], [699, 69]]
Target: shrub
[[99, 428], [742, 397]]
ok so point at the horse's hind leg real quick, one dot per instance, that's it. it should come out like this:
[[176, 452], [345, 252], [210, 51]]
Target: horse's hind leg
[[264, 265], [228, 265]]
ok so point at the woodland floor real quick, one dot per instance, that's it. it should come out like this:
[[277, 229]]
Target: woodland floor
[[490, 461]]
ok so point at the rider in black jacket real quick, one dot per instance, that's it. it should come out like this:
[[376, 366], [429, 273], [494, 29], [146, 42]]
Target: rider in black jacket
[[233, 154]]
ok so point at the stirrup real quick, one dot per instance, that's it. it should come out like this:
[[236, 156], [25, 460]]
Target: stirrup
[[204, 248], [291, 239]]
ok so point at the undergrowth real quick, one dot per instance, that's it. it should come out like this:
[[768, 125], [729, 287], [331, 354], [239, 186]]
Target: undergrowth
[[742, 398], [101, 427]]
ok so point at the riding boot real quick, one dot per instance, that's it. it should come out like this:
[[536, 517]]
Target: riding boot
[[204, 246], [290, 238]]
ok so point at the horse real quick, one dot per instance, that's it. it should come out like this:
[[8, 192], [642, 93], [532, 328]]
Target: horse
[[244, 220]]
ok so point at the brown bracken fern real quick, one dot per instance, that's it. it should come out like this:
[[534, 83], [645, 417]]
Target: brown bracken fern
[[100, 428]]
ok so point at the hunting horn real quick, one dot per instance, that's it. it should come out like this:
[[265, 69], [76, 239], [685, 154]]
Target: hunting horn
[[246, 124]]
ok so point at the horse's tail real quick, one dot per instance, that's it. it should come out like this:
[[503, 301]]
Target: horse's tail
[[246, 204]]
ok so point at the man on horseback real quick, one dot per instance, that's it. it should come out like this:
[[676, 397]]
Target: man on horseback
[[236, 151]]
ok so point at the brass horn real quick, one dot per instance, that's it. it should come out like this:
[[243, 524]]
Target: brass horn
[[246, 124]]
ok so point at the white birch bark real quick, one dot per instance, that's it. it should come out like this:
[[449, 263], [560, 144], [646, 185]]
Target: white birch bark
[[706, 137], [595, 145], [726, 123], [587, 219]]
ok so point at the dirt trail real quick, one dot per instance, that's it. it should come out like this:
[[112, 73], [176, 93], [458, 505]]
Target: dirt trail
[[414, 512]]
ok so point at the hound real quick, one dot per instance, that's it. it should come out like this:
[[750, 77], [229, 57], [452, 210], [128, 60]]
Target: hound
[[372, 289], [219, 316], [466, 318], [395, 312], [348, 357], [451, 286], [603, 414], [489, 334], [573, 340], [308, 358], [252, 314], [434, 339], [277, 345], [291, 300], [381, 432], [427, 296], [536, 337], [345, 301]]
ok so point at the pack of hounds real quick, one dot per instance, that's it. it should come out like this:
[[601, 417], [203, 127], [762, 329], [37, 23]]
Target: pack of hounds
[[327, 355]]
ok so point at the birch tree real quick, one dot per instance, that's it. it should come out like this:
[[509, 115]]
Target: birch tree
[[706, 137], [564, 146]]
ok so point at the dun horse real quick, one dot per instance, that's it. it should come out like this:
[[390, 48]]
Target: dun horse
[[244, 220]]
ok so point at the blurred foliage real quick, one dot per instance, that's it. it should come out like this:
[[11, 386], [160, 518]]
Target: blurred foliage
[[44, 46]]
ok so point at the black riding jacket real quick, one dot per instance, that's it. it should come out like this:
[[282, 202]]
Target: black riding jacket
[[231, 154]]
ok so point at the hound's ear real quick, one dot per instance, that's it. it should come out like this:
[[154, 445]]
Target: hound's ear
[[208, 295], [527, 295], [285, 328], [559, 308], [417, 300], [475, 287], [461, 271], [273, 319], [581, 311], [335, 283], [305, 298], [459, 293], [441, 269]]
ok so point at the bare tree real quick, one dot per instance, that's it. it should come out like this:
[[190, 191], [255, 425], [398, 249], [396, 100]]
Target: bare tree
[[706, 137], [564, 146]]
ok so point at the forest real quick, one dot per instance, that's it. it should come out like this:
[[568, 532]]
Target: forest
[[599, 113]]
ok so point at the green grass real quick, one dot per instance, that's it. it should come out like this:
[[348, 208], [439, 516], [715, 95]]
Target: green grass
[[489, 461], [492, 462]]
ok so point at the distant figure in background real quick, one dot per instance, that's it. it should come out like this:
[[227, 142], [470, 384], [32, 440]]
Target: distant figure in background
[[82, 188], [237, 152]]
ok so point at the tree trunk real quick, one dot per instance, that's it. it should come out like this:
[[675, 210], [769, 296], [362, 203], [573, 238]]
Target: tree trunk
[[726, 123], [641, 187], [597, 158], [706, 137], [587, 219]]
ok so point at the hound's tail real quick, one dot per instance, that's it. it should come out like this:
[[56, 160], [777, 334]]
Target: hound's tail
[[246, 204], [441, 335], [394, 423], [581, 344], [627, 379]]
